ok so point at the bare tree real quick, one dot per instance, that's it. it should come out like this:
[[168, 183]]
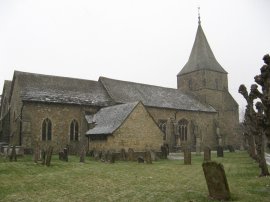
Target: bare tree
[[257, 122]]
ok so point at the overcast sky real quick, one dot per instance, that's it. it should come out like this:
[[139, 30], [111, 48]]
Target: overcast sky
[[146, 41]]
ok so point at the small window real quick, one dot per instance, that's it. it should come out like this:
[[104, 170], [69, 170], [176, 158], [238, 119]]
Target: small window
[[46, 129], [74, 131]]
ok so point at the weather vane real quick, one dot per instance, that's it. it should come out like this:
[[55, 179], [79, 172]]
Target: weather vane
[[199, 15]]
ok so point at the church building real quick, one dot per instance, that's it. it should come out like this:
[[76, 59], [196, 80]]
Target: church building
[[40, 110]]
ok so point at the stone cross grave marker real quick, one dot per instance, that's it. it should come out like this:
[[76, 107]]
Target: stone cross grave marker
[[207, 154], [216, 180]]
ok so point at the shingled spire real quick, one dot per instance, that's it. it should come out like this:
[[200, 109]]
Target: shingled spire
[[201, 56]]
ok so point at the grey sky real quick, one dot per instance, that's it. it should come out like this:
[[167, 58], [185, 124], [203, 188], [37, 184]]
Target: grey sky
[[146, 41]]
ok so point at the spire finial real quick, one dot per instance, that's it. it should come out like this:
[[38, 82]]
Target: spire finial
[[199, 16]]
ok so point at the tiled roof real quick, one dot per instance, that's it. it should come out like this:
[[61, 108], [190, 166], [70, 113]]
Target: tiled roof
[[152, 96], [108, 119], [201, 56], [54, 89]]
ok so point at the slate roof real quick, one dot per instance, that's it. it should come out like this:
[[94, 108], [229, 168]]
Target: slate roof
[[109, 119], [152, 96], [201, 56], [54, 89]]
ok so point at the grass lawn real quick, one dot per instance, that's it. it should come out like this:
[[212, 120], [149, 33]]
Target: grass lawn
[[164, 180]]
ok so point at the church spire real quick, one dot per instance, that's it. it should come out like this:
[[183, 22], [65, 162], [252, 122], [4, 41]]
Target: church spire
[[201, 56]]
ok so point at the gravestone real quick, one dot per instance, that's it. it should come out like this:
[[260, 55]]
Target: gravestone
[[123, 155], [130, 154], [164, 152], [82, 156], [216, 181], [187, 156], [153, 155], [110, 157], [13, 154], [61, 156], [96, 155], [148, 158], [36, 154], [103, 157], [43, 156], [140, 159], [220, 151], [231, 148], [49, 156], [207, 154], [65, 154]]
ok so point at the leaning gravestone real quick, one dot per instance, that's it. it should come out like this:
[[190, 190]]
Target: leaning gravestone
[[216, 180], [220, 151], [207, 154], [130, 154], [187, 156], [49, 156]]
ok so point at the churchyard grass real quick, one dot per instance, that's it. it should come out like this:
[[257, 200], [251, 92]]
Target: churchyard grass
[[164, 180]]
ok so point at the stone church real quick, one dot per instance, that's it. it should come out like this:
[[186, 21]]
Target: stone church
[[40, 110]]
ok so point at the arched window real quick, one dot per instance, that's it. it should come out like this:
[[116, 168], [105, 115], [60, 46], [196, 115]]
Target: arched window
[[74, 131], [46, 129], [183, 129]]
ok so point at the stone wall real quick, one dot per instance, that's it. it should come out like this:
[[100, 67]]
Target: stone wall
[[139, 132], [204, 120], [61, 116]]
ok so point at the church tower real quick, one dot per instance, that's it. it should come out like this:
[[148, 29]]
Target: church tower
[[203, 76]]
